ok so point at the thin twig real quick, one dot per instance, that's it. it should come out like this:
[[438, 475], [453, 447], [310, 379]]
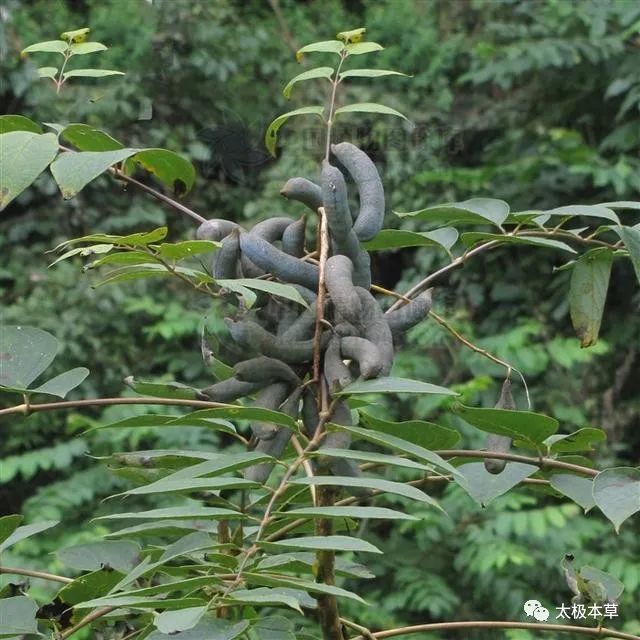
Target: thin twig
[[87, 620], [323, 239], [42, 575], [306, 465], [366, 633], [332, 103]]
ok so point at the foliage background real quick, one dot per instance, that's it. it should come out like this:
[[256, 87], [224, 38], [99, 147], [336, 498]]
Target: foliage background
[[535, 102]]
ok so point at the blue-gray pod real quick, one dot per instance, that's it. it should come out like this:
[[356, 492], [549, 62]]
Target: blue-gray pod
[[339, 282], [225, 261], [365, 353], [310, 413], [303, 190], [293, 238], [253, 336], [229, 390], [271, 397], [215, 229], [500, 444], [376, 329], [370, 189], [350, 247], [266, 369], [336, 202], [271, 229], [410, 314], [276, 445], [336, 371], [283, 266], [303, 327]]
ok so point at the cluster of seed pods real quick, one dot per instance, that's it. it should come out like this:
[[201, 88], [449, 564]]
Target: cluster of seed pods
[[277, 339]]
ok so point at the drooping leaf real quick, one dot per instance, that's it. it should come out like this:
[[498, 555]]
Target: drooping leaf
[[588, 292], [425, 434], [18, 617], [172, 622], [26, 531], [474, 211], [186, 248], [171, 169], [274, 288], [631, 238], [359, 48], [162, 389], [50, 46], [332, 543], [527, 426], [395, 385], [63, 383], [578, 489], [326, 46], [369, 107], [318, 72], [617, 493], [484, 487], [271, 136], [87, 138], [580, 440], [373, 457], [12, 122], [25, 353], [370, 73], [91, 73], [611, 586], [82, 48], [73, 170], [24, 155], [445, 237], [471, 238], [121, 555]]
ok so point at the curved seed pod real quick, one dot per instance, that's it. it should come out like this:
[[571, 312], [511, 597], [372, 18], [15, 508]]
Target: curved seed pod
[[229, 390], [270, 397], [376, 328], [336, 202], [276, 445], [310, 413], [293, 238], [303, 190], [350, 247], [215, 229], [277, 262], [307, 294], [253, 336], [303, 327], [365, 353], [265, 369], [339, 282], [500, 444], [370, 190], [346, 329], [225, 263], [335, 370], [410, 314], [271, 229]]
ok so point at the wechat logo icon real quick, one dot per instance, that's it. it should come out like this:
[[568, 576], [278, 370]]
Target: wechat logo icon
[[534, 609]]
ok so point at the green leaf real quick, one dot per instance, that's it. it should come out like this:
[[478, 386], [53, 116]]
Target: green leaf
[[271, 136], [532, 428], [369, 107], [617, 493], [162, 389], [445, 237], [171, 622], [346, 512], [472, 238], [275, 628], [397, 444], [332, 543], [354, 35], [163, 528], [578, 489], [8, 524], [25, 353], [134, 602], [359, 48], [121, 555], [82, 48], [87, 138], [370, 73], [73, 170], [203, 513], [474, 211], [326, 46], [63, 383], [18, 617], [372, 456], [89, 586], [47, 72], [157, 420], [209, 629], [363, 482], [274, 288], [55, 46], [186, 249], [171, 169], [23, 157], [613, 588], [76, 35], [588, 292], [12, 122], [622, 204], [26, 531], [589, 211], [188, 485], [425, 434], [318, 72], [247, 413], [484, 487], [91, 73], [265, 596], [579, 440], [631, 238], [395, 385]]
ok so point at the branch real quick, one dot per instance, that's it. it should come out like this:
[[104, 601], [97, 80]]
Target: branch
[[495, 624], [87, 620], [323, 240], [35, 574]]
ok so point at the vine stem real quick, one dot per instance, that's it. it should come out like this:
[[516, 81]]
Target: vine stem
[[498, 624], [332, 103], [42, 575]]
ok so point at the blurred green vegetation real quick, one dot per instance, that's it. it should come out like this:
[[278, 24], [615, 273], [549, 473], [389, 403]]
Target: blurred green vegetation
[[534, 102]]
